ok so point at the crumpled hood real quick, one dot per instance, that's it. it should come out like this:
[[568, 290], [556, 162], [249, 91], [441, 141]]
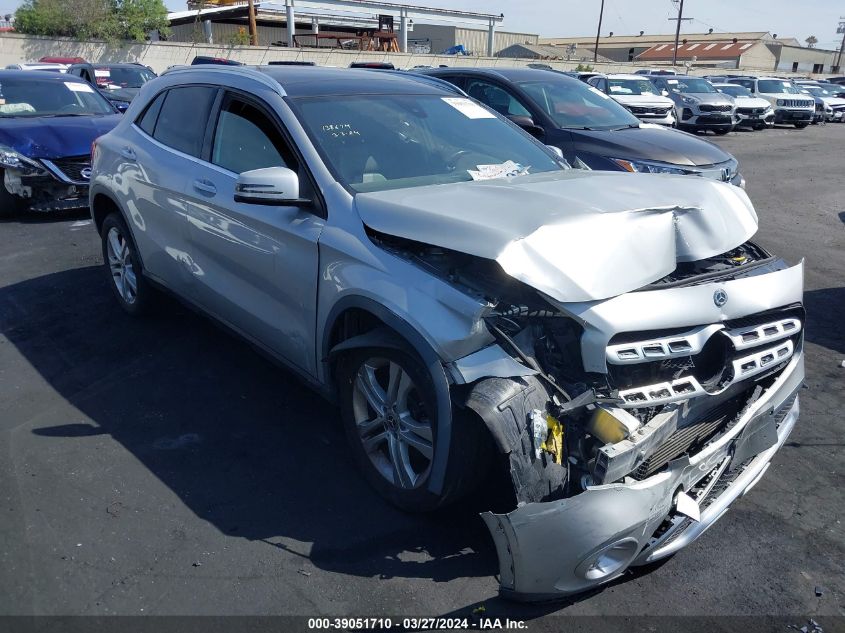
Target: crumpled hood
[[54, 137], [574, 235]]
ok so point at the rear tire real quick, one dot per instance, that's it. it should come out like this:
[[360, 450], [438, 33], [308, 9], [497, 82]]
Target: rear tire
[[10, 204], [389, 410], [120, 255]]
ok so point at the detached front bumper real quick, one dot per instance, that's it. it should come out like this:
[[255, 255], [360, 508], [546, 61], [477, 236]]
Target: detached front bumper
[[553, 549]]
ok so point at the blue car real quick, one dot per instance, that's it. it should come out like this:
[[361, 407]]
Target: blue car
[[47, 125]]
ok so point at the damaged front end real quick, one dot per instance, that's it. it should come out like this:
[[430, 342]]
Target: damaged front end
[[646, 361], [672, 400], [46, 185]]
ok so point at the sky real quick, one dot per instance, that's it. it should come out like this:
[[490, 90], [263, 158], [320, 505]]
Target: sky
[[564, 18]]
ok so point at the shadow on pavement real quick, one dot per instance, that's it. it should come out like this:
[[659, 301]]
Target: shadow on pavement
[[242, 443], [825, 318]]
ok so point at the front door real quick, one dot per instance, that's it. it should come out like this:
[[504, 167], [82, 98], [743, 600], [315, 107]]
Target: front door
[[256, 266]]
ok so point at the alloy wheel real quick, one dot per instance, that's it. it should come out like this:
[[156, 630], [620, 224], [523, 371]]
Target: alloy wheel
[[119, 255], [393, 425]]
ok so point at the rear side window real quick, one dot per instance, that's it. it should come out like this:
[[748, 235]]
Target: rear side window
[[147, 121], [247, 139], [183, 118]]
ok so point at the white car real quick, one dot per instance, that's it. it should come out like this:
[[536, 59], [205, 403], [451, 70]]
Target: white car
[[49, 67], [834, 106], [791, 106], [751, 111], [639, 95]]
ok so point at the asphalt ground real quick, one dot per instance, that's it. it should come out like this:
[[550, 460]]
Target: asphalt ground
[[160, 466]]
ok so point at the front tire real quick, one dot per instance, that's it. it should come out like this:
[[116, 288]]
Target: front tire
[[120, 255], [801, 125], [722, 130], [389, 409]]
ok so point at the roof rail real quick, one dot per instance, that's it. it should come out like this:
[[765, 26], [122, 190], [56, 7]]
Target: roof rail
[[247, 71]]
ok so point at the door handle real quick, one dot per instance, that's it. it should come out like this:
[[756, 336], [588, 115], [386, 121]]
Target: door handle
[[205, 186], [128, 153]]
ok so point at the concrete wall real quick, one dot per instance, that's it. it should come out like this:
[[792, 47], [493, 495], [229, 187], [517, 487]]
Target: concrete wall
[[16, 48]]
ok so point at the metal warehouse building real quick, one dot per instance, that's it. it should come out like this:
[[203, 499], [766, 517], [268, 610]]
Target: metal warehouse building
[[417, 28], [753, 50]]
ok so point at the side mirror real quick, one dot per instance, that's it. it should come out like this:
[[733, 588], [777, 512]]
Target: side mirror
[[274, 186], [121, 106], [664, 92], [527, 124]]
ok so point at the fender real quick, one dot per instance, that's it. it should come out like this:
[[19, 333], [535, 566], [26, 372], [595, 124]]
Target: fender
[[398, 334]]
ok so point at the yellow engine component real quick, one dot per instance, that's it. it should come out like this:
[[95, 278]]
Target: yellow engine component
[[554, 440], [606, 427]]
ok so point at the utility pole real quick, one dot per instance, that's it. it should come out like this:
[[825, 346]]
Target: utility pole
[[679, 19], [841, 29], [253, 29], [598, 34]]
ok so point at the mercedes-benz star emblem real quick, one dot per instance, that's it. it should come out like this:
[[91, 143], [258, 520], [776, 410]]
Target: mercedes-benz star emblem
[[86, 173], [720, 298]]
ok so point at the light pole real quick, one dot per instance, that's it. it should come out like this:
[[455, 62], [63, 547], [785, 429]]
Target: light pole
[[841, 29], [253, 29], [677, 33], [598, 34]]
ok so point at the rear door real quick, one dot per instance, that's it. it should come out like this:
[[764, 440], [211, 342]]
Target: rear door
[[256, 265], [157, 156]]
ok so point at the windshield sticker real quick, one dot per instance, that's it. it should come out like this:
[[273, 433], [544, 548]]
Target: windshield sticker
[[599, 92], [102, 72], [339, 130], [75, 87], [468, 108], [672, 82], [786, 84], [506, 169]]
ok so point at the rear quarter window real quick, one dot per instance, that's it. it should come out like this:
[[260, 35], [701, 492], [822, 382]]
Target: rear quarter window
[[147, 121]]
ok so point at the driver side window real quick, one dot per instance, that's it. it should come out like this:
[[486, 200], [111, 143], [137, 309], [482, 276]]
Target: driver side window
[[496, 98], [246, 139]]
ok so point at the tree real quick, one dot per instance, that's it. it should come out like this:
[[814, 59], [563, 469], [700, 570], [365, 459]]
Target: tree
[[92, 19], [812, 41]]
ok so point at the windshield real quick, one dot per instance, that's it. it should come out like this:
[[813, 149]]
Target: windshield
[[736, 91], [818, 91], [690, 85], [379, 142], [36, 97], [117, 77], [777, 86], [630, 87], [575, 105]]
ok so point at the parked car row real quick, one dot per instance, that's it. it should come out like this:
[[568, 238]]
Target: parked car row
[[468, 299], [589, 129]]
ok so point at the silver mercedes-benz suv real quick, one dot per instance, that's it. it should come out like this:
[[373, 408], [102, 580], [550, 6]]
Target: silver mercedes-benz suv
[[615, 342]]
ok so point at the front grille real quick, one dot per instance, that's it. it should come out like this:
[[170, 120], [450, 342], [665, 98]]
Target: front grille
[[645, 110], [714, 120], [749, 111], [73, 166], [839, 108], [796, 103], [706, 107]]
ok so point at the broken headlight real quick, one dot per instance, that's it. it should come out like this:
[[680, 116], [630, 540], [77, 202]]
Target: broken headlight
[[10, 159]]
